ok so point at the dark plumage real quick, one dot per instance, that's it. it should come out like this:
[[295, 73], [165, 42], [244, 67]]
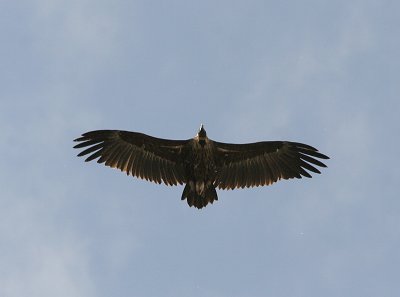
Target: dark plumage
[[200, 163]]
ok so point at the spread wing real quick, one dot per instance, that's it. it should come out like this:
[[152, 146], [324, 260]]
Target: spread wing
[[263, 163], [137, 154]]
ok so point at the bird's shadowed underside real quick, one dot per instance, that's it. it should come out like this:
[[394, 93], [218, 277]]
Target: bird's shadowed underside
[[200, 163]]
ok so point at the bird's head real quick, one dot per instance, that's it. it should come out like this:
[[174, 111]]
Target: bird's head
[[201, 136], [202, 133]]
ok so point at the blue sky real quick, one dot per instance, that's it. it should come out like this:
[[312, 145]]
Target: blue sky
[[325, 73]]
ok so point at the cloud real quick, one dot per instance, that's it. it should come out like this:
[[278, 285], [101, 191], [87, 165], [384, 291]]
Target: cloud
[[73, 229], [39, 257]]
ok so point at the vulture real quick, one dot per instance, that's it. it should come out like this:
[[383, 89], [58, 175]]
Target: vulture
[[199, 163]]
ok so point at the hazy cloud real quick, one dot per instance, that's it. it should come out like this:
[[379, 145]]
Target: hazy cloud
[[323, 73]]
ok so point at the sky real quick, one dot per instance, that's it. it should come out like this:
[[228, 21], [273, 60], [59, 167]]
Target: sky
[[325, 73]]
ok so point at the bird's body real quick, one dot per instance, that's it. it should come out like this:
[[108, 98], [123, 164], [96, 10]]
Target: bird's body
[[201, 167], [200, 163]]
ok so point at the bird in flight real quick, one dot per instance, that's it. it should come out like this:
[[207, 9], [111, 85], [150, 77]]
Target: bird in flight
[[200, 163]]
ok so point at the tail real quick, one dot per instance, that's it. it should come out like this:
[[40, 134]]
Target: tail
[[196, 199]]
